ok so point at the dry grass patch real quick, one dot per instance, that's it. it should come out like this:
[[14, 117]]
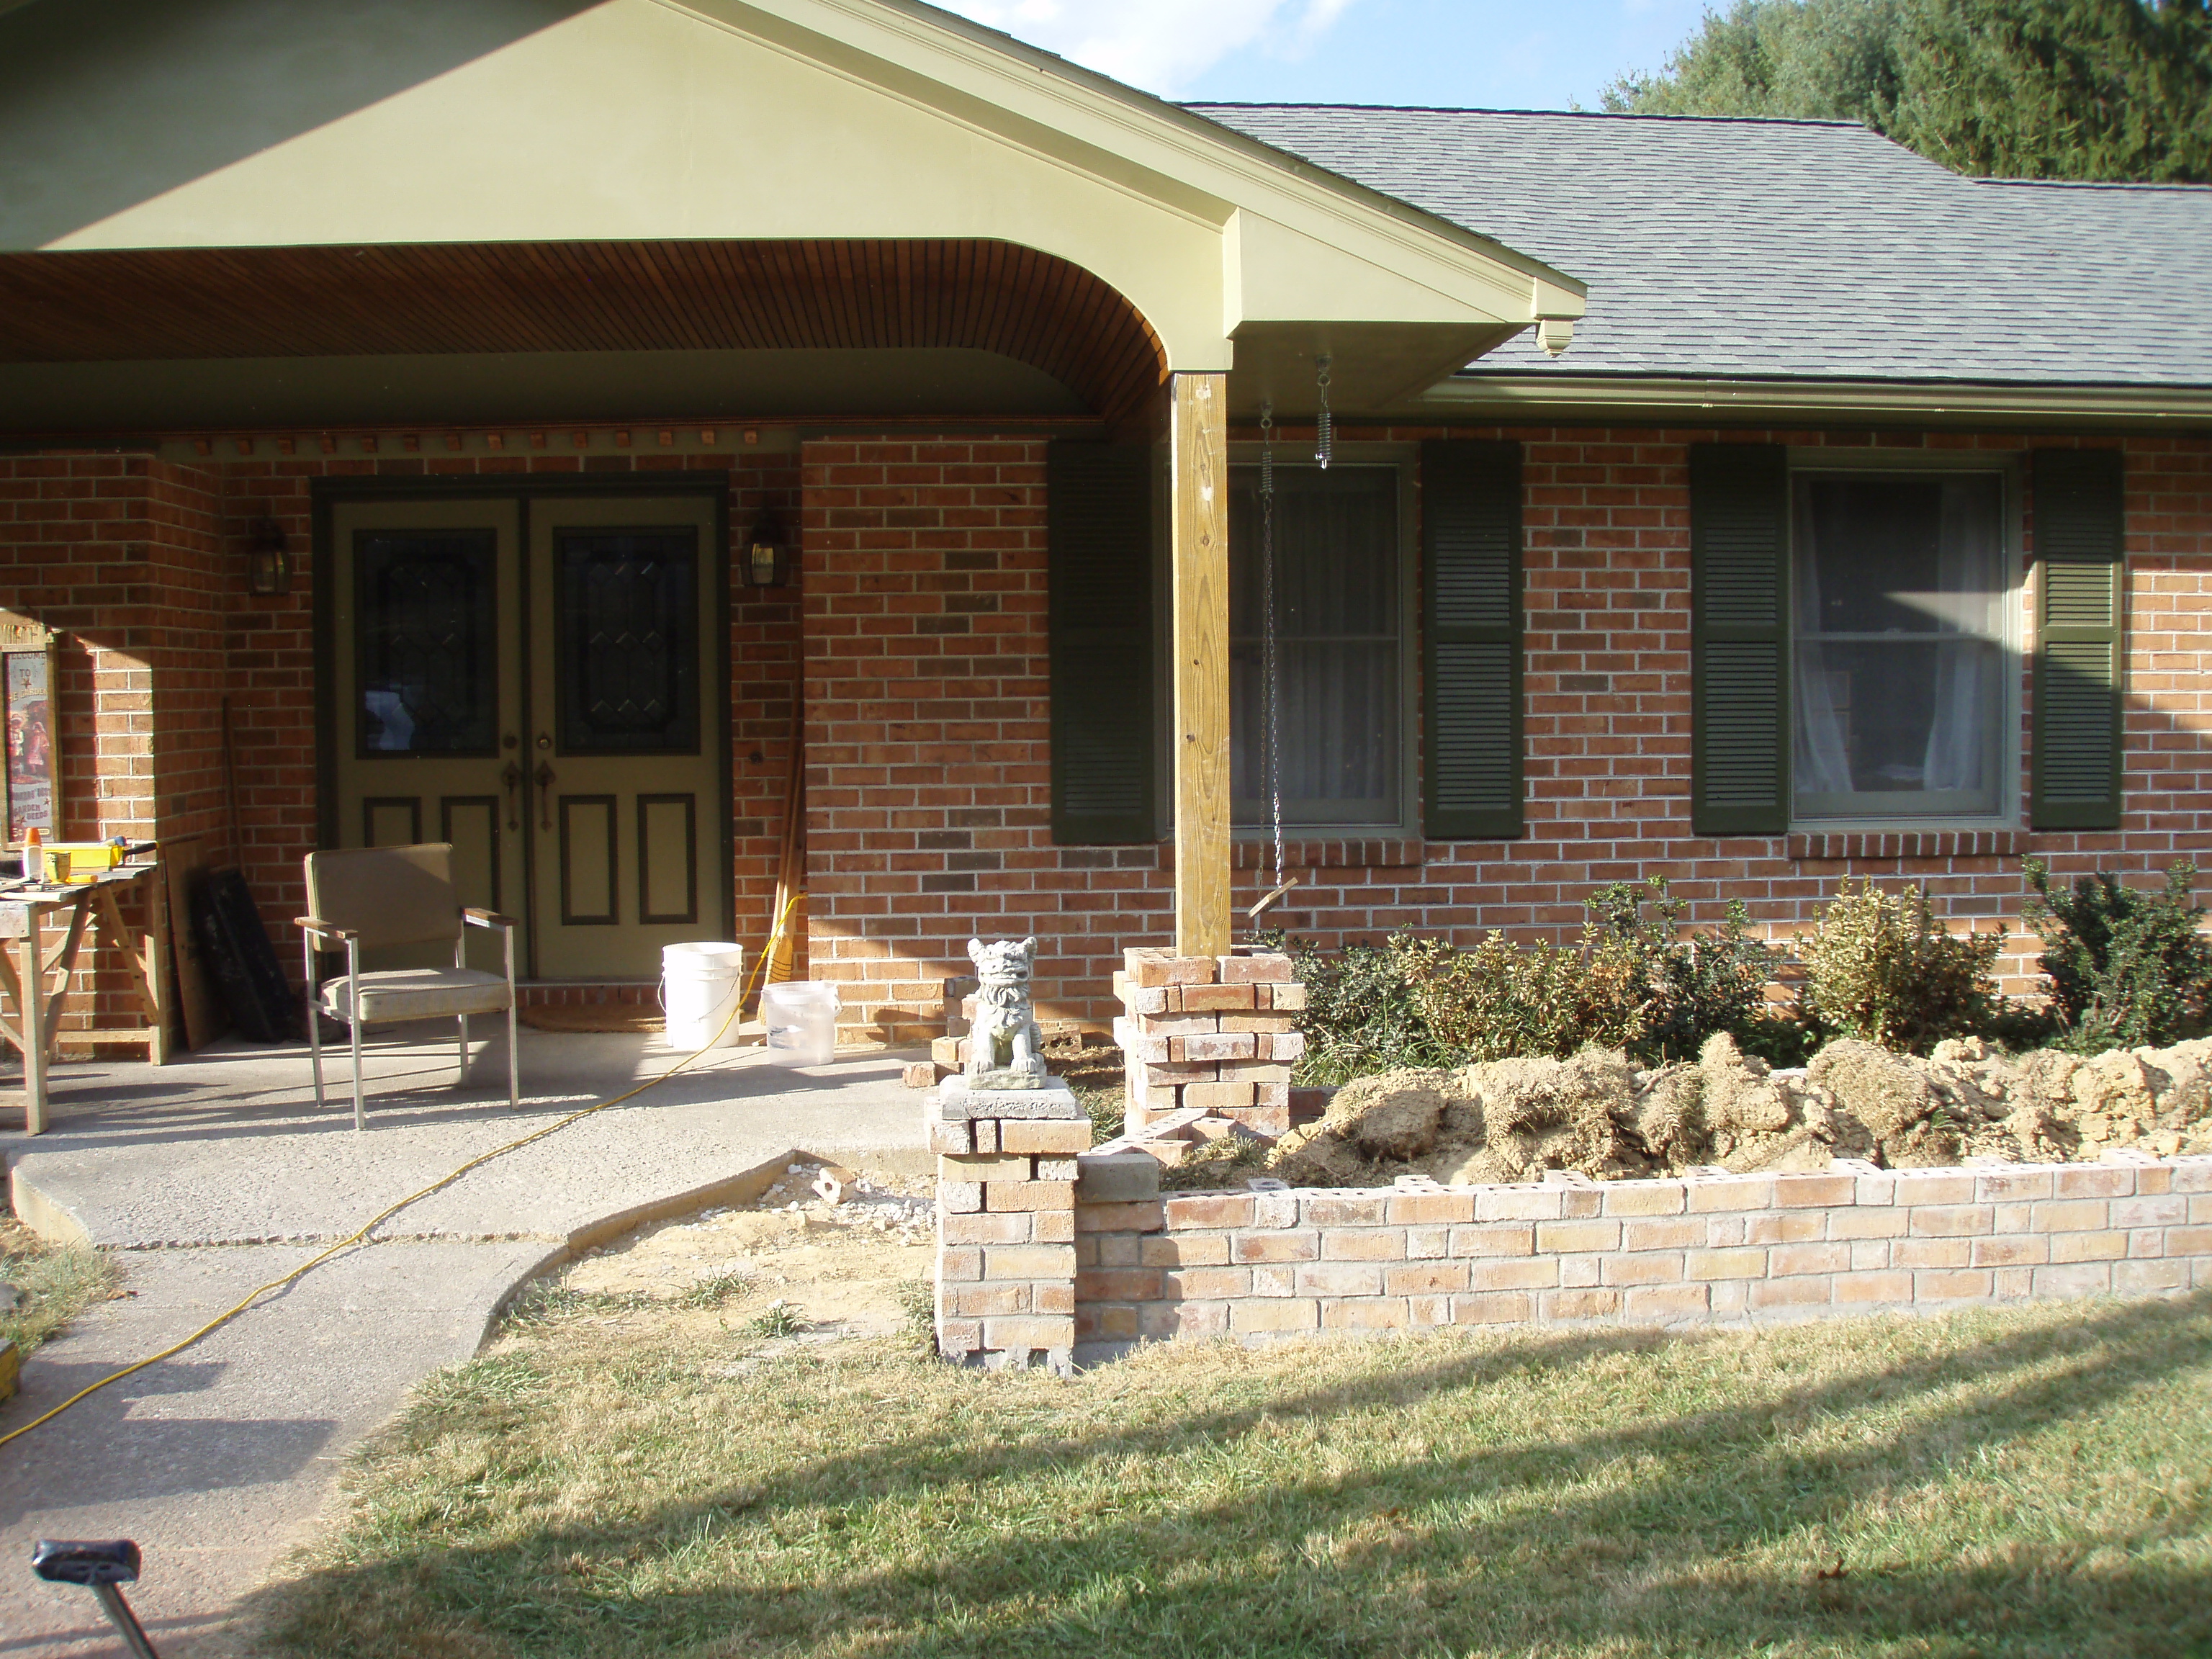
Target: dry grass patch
[[55, 1282], [2024, 1483]]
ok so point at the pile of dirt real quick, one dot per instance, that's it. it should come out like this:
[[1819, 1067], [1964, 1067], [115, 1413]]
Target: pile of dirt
[[1511, 1120]]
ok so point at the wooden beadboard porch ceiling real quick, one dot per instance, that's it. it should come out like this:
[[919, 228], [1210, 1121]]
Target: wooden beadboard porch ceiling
[[135, 304]]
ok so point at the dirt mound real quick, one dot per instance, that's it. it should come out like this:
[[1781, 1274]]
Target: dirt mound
[[1511, 1120]]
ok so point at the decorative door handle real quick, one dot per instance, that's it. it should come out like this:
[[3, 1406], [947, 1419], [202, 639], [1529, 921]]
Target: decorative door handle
[[544, 781], [513, 779]]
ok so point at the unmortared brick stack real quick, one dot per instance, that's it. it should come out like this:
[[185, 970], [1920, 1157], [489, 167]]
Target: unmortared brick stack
[[1210, 1034], [1006, 1225]]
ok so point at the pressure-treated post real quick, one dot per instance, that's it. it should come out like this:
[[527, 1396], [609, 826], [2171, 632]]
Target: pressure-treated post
[[1199, 446]]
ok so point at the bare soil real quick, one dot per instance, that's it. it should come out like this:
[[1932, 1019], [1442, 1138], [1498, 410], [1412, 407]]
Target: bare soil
[[1597, 1113], [838, 1269]]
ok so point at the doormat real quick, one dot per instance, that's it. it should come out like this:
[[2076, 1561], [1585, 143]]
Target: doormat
[[596, 1017]]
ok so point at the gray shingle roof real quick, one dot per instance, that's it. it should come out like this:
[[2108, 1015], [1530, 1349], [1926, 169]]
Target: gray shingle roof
[[1804, 249]]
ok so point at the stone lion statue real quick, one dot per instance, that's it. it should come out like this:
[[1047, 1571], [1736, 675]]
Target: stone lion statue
[[1004, 1038]]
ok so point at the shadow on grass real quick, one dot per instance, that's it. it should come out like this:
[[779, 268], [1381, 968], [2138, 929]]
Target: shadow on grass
[[1279, 1526]]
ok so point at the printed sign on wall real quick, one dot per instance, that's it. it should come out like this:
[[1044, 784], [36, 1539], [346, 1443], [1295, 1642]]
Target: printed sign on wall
[[27, 695]]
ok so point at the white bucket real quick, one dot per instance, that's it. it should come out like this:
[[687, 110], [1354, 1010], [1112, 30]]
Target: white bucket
[[801, 1017], [700, 984]]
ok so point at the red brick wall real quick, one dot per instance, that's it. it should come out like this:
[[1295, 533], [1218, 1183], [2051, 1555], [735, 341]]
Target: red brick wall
[[926, 725]]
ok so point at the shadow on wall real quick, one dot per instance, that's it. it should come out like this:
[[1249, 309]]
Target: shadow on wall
[[1148, 1535], [103, 107]]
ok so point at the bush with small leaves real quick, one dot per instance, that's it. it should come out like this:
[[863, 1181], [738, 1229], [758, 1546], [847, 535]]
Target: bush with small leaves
[[1880, 968], [2127, 966], [1697, 986]]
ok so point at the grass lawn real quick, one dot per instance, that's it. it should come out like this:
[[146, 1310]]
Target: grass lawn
[[58, 1281], [2030, 1482]]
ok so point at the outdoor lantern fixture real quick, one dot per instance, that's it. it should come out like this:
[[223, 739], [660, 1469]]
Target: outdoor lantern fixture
[[268, 561], [767, 561]]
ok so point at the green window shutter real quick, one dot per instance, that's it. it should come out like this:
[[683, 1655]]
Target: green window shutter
[[1098, 543], [1471, 639], [2080, 596], [1739, 639]]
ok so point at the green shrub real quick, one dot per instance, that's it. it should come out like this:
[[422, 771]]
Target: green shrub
[[1880, 968], [1695, 988], [1362, 1014], [1500, 999], [2127, 966]]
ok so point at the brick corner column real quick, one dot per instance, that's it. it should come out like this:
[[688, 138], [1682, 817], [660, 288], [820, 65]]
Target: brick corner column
[[1217, 1034], [1006, 1225]]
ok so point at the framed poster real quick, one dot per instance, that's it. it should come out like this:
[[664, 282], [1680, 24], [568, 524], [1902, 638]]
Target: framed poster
[[27, 697]]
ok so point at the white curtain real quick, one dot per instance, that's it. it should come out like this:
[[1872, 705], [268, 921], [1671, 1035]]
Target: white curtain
[[1966, 576], [1822, 765]]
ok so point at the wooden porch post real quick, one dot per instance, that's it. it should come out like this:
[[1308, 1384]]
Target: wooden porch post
[[1199, 443]]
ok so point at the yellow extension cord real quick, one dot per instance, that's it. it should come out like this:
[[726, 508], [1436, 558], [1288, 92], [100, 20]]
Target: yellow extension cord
[[222, 1319]]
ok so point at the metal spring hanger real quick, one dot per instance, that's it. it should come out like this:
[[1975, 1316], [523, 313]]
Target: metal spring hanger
[[1272, 748], [1324, 426]]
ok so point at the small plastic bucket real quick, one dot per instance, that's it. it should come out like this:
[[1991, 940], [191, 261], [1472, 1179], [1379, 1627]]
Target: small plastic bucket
[[801, 1017], [700, 984]]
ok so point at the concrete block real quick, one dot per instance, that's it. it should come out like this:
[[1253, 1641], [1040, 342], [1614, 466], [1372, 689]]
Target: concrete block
[[1116, 1177], [959, 1197], [1055, 1100]]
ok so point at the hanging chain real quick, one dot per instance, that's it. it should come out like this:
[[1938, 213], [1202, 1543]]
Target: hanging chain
[[1267, 671], [1324, 427]]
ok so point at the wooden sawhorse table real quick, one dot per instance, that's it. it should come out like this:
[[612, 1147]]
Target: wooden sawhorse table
[[42, 929]]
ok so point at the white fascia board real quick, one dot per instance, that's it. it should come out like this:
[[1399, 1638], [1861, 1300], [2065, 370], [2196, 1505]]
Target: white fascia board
[[1097, 125]]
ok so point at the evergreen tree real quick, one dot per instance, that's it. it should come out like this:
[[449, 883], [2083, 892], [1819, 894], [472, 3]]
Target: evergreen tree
[[2106, 89]]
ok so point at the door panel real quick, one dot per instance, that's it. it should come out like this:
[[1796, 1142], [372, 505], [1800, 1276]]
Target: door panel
[[624, 732], [428, 638], [535, 680]]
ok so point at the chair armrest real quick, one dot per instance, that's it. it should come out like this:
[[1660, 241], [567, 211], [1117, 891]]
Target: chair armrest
[[323, 929], [487, 919]]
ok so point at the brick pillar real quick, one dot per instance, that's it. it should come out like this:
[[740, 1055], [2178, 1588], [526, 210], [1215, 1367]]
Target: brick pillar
[[1005, 1223], [1210, 1034]]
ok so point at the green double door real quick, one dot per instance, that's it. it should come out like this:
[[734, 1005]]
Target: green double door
[[539, 680]]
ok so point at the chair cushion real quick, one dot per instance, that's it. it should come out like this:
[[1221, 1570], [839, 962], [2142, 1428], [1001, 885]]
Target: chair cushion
[[417, 993]]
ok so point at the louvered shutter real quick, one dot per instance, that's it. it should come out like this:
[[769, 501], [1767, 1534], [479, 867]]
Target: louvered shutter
[[1471, 639], [2080, 623], [1739, 639], [1098, 543]]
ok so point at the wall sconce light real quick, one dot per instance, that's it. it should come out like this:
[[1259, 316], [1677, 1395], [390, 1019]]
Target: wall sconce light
[[268, 561], [767, 559]]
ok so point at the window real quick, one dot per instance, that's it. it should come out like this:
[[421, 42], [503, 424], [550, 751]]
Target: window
[[1900, 669], [1341, 597]]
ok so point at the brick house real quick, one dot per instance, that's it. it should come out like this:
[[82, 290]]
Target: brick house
[[544, 425]]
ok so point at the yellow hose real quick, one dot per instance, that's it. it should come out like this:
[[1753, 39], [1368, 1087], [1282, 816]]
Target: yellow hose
[[387, 1213]]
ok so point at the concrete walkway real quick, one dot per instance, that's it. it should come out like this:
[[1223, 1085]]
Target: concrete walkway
[[216, 1174]]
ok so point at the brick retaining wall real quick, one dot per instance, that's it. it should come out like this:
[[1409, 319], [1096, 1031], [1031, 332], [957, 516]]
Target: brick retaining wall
[[1705, 1249]]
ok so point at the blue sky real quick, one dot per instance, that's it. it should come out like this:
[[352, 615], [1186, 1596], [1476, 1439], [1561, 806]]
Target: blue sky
[[1480, 53]]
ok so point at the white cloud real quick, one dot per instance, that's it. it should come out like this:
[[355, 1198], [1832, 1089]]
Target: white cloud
[[1162, 46]]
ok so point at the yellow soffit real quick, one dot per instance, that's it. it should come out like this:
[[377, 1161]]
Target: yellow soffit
[[635, 120]]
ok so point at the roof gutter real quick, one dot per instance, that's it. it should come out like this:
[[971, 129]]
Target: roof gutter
[[1941, 402]]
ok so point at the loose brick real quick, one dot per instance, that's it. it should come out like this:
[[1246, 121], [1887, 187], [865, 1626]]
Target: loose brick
[[2088, 1246], [1364, 1314], [1218, 1096], [1288, 1313], [1644, 1267], [1028, 1195], [1289, 998], [1642, 1198], [2093, 1181], [1219, 998], [1664, 1304], [1208, 1210], [1711, 1264], [1807, 1191], [1490, 1309], [1950, 1220], [1333, 1210], [1407, 1207], [1427, 1278], [1275, 1247], [1054, 1138], [1519, 1204], [1556, 1235], [1215, 1046], [1952, 1285], [1918, 1187], [2013, 1250], [1029, 1261], [1337, 1278], [1144, 970], [1363, 1244], [1271, 969]]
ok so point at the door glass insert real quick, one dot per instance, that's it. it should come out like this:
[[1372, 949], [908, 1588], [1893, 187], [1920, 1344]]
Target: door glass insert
[[627, 642], [425, 603]]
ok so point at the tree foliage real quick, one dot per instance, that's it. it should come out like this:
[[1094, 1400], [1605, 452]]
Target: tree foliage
[[2080, 89]]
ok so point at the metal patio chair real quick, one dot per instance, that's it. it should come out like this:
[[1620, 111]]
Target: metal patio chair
[[366, 897]]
